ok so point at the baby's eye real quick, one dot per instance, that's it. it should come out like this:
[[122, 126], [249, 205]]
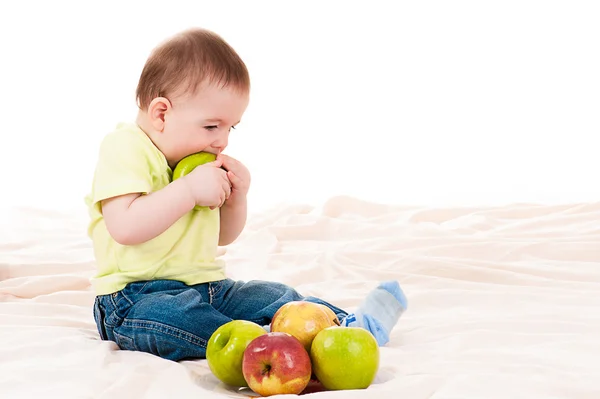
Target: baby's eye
[[211, 128]]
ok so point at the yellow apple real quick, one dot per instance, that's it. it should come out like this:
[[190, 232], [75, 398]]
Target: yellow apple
[[332, 316], [303, 320]]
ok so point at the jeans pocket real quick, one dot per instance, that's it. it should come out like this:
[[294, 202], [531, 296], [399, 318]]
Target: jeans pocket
[[99, 319], [214, 289], [124, 342]]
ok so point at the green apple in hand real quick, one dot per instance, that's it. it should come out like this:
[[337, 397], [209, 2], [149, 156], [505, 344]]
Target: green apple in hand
[[187, 164], [225, 350], [345, 357]]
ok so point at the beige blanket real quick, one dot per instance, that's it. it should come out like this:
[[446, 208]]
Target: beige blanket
[[504, 302]]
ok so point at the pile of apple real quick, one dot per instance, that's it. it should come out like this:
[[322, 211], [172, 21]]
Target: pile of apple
[[305, 342]]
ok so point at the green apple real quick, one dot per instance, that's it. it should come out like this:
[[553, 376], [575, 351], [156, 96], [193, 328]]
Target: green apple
[[187, 164], [345, 357], [225, 350]]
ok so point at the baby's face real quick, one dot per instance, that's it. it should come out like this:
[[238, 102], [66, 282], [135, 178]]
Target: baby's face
[[202, 122]]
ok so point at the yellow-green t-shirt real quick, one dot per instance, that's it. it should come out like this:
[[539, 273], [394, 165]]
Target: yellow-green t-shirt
[[128, 162]]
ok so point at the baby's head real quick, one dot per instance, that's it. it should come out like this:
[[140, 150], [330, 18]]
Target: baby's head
[[193, 89]]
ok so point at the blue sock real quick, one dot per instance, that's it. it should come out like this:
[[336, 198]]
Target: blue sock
[[379, 311]]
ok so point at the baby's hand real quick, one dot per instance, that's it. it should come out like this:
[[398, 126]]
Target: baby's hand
[[238, 174], [209, 184]]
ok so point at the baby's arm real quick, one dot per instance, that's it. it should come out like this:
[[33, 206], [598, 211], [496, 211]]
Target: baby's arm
[[234, 211], [233, 219], [134, 218]]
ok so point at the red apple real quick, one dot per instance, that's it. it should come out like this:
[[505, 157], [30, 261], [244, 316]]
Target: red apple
[[302, 319], [276, 363]]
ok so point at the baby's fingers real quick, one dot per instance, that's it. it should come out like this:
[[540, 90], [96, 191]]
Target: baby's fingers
[[226, 189], [216, 163], [235, 181]]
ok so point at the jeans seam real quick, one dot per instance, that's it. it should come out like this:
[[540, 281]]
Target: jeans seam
[[219, 287], [120, 298], [143, 286], [165, 329], [124, 296], [214, 290], [111, 297]]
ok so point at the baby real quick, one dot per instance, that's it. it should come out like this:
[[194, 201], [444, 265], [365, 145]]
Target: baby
[[160, 286]]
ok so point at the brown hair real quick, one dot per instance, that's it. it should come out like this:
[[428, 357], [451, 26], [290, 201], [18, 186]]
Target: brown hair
[[186, 60]]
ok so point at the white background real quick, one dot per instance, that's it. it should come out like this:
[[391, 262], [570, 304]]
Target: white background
[[428, 103]]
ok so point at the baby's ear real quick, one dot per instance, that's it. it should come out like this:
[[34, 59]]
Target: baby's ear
[[156, 112]]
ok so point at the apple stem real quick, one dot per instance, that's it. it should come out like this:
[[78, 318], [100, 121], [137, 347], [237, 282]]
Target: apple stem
[[266, 369]]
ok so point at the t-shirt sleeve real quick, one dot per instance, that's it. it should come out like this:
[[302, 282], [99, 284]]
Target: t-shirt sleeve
[[122, 167]]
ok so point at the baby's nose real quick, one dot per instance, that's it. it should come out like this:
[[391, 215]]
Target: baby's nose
[[220, 144]]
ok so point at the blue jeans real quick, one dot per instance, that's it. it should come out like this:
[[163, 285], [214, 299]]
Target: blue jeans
[[175, 321]]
